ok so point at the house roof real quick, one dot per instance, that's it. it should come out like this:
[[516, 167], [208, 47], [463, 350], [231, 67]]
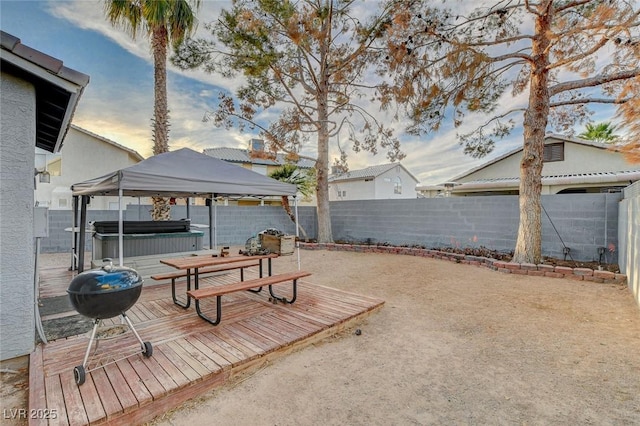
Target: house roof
[[238, 155], [613, 178], [57, 87], [368, 173], [133, 153], [549, 138]]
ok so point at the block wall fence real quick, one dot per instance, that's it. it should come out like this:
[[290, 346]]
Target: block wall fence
[[584, 223], [629, 238]]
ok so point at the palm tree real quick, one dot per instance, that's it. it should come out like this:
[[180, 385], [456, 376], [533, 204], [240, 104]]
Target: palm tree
[[165, 22], [601, 132], [290, 173]]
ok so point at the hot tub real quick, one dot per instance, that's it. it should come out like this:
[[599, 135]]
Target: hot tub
[[144, 238]]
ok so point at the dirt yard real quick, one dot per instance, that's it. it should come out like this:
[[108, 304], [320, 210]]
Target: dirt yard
[[453, 344]]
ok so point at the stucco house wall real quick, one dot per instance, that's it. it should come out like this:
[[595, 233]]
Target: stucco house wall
[[385, 184], [352, 190], [373, 183], [579, 158], [84, 156], [39, 97], [584, 167], [17, 134]]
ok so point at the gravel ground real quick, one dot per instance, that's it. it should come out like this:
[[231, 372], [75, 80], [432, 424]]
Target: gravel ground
[[453, 344]]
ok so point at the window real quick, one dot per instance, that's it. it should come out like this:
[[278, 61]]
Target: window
[[62, 203], [259, 168], [52, 163], [397, 185], [553, 152]]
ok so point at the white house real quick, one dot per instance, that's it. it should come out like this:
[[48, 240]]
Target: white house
[[570, 166], [385, 181], [38, 98], [83, 156]]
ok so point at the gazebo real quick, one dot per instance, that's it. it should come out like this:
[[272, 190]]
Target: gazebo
[[183, 173]]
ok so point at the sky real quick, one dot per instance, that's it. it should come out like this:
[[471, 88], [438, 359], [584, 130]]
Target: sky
[[118, 101]]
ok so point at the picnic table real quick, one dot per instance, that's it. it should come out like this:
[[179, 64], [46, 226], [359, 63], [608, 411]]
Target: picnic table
[[195, 264]]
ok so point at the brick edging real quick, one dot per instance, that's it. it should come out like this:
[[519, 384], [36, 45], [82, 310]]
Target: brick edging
[[541, 270]]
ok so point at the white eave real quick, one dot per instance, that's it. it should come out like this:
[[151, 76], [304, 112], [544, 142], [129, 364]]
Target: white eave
[[620, 178]]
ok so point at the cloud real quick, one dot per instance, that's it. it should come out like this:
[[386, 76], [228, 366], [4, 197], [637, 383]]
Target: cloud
[[121, 108]]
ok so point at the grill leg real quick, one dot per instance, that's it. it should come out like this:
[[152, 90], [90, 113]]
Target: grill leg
[[135, 333], [96, 323]]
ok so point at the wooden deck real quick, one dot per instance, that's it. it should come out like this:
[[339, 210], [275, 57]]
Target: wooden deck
[[190, 356]]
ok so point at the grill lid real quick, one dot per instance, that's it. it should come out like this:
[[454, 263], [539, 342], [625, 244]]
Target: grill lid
[[106, 279]]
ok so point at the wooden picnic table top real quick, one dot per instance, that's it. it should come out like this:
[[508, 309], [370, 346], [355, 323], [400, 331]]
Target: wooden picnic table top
[[202, 261]]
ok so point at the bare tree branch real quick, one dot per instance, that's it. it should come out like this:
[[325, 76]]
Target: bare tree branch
[[593, 81], [588, 101]]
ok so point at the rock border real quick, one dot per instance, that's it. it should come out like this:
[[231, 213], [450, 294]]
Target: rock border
[[541, 270]]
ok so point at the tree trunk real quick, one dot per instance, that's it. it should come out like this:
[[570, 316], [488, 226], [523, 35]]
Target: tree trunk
[[287, 208], [161, 208], [325, 235], [529, 242]]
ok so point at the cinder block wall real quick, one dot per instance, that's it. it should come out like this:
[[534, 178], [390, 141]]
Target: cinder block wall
[[629, 238], [584, 222], [235, 223]]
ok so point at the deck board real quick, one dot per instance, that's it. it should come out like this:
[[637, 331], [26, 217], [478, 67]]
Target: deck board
[[108, 397], [91, 401], [190, 356], [124, 394], [53, 388]]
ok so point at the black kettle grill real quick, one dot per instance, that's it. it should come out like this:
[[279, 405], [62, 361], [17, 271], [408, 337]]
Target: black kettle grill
[[105, 293]]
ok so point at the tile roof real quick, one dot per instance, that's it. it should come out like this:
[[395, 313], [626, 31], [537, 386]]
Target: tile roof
[[58, 88], [238, 155]]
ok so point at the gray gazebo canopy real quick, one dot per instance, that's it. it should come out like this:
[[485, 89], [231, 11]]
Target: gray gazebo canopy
[[182, 173]]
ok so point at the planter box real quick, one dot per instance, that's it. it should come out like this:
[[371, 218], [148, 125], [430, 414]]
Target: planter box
[[280, 245]]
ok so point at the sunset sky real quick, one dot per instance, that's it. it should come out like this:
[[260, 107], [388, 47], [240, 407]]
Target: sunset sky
[[118, 102]]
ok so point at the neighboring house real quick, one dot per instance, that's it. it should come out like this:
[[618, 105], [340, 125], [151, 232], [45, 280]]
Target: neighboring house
[[382, 182], [260, 161], [84, 156], [570, 166], [38, 98]]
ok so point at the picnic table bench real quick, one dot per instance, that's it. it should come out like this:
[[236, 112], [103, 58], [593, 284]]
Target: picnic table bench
[[219, 291]]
